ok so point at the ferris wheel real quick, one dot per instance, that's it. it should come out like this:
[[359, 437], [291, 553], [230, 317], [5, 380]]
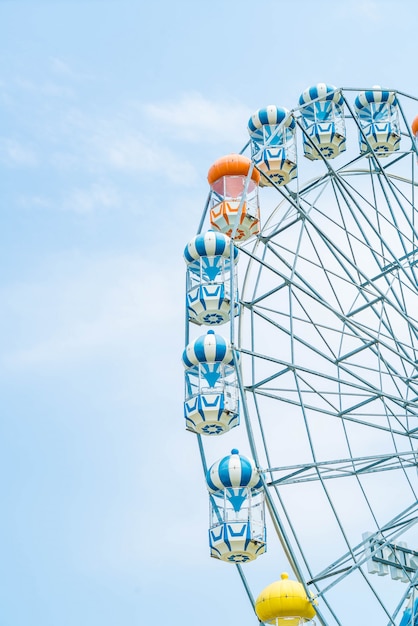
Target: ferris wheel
[[310, 289]]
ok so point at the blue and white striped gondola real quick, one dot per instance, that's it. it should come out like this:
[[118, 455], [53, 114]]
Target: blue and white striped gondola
[[237, 532], [378, 118], [211, 405], [322, 117], [208, 286], [410, 615], [273, 144]]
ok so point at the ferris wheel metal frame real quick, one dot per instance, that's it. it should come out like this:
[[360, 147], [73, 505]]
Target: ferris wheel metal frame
[[363, 181]]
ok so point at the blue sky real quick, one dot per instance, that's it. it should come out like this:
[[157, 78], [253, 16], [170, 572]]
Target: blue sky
[[111, 113]]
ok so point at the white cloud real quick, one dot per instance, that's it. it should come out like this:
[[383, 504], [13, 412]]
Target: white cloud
[[362, 9], [132, 152], [63, 69], [12, 152], [195, 118], [98, 196], [77, 312], [115, 144], [95, 197], [60, 67], [45, 89]]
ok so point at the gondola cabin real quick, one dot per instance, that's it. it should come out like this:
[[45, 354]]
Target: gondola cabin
[[285, 603], [414, 128], [234, 205], [410, 615], [322, 118], [211, 278], [237, 532], [378, 120], [273, 145], [211, 405]]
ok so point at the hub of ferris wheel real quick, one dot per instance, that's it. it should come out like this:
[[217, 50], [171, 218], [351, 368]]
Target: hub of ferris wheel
[[215, 393]]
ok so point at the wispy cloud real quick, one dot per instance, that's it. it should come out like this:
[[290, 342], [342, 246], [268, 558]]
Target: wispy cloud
[[14, 153], [117, 144], [195, 118], [63, 69], [368, 10], [77, 312], [97, 196], [46, 88], [136, 153]]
